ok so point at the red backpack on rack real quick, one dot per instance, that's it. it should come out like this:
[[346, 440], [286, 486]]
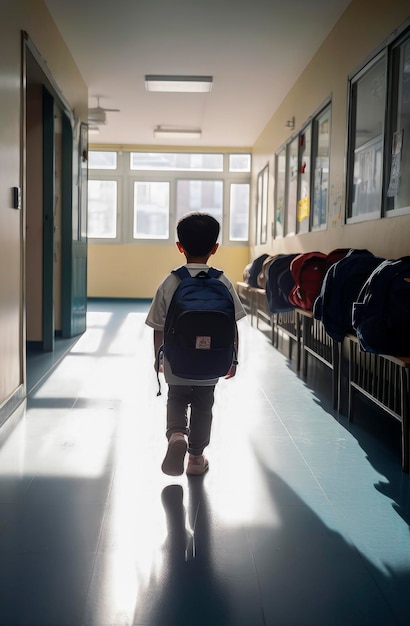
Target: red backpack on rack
[[308, 270]]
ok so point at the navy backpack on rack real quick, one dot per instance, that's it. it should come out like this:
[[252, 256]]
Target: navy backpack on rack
[[340, 288], [279, 283], [381, 315], [200, 328], [255, 270]]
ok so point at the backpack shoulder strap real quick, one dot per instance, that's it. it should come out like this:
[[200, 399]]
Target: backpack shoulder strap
[[181, 272], [214, 273]]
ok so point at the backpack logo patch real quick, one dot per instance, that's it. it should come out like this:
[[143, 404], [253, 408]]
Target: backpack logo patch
[[203, 343]]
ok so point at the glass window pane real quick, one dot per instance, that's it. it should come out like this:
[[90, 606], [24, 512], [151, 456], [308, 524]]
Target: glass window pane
[[176, 161], [321, 129], [280, 192], [262, 206], [398, 188], [292, 186], [204, 196], [151, 210], [239, 212], [239, 162], [102, 160], [264, 222], [369, 94], [102, 209], [303, 208], [259, 201]]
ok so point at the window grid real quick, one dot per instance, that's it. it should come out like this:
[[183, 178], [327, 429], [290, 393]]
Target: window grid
[[132, 213]]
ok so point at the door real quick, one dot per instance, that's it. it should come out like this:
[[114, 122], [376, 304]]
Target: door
[[56, 184], [74, 228], [48, 327]]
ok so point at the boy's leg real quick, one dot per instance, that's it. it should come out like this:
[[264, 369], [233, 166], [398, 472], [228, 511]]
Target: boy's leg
[[202, 401], [177, 429], [179, 398]]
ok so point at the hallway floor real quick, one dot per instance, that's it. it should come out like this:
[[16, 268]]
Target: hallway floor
[[301, 520]]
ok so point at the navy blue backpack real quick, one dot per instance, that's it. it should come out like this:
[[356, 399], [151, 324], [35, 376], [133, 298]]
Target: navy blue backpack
[[340, 288], [200, 328], [255, 270], [381, 315], [279, 283]]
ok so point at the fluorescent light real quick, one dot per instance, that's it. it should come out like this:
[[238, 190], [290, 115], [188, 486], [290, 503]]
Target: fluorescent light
[[93, 130], [175, 133], [182, 84]]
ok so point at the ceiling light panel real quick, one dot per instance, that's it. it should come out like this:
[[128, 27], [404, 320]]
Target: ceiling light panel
[[174, 133], [178, 84]]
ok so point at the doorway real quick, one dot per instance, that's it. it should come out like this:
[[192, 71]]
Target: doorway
[[55, 240]]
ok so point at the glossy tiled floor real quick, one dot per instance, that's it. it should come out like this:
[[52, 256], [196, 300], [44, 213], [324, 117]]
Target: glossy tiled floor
[[301, 520]]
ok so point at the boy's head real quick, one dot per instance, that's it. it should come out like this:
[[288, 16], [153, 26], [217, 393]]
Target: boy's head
[[198, 234]]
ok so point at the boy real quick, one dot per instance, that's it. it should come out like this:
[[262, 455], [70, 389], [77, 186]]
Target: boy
[[197, 241]]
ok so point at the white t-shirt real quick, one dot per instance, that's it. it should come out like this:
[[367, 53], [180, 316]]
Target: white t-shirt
[[158, 312]]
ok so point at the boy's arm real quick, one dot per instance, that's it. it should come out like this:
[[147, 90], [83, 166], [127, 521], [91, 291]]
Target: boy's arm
[[232, 370], [158, 341]]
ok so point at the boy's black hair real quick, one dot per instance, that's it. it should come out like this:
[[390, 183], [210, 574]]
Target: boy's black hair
[[198, 233]]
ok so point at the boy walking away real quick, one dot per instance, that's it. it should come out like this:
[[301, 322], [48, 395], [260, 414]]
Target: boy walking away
[[192, 371]]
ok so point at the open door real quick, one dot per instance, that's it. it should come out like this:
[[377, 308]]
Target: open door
[[56, 200], [49, 202], [74, 228]]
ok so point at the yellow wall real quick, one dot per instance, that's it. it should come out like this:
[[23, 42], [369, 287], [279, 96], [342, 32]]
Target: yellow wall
[[361, 29], [135, 271]]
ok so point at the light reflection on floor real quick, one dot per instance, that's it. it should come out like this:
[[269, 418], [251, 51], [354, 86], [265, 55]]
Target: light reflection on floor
[[297, 515]]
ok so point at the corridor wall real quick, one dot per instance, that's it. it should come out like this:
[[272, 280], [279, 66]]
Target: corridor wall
[[358, 34], [35, 20]]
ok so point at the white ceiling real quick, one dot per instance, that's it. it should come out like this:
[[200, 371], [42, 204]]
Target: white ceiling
[[255, 51]]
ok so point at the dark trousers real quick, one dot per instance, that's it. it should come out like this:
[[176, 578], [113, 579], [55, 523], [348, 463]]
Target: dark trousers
[[197, 424]]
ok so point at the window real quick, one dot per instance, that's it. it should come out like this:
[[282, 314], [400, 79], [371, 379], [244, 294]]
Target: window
[[102, 209], [368, 104], [378, 157], [151, 210], [143, 199], [239, 212], [262, 206], [398, 181], [321, 156], [303, 206], [102, 160], [199, 195], [291, 186], [176, 161], [239, 162], [280, 177], [301, 195]]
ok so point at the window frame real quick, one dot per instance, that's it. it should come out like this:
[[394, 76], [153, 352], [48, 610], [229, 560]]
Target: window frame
[[117, 179], [307, 128], [135, 182], [281, 153], [288, 229], [387, 51], [352, 151], [311, 125], [262, 190], [323, 113], [391, 124], [126, 177]]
